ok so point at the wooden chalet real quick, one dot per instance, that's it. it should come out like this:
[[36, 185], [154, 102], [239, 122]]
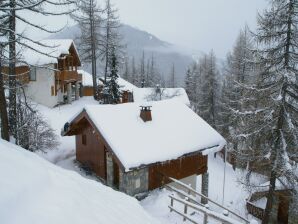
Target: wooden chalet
[[50, 78], [134, 149]]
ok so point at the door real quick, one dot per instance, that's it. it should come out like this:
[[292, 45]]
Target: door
[[116, 174], [283, 210]]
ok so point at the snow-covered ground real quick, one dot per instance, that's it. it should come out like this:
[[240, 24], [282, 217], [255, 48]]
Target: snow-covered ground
[[157, 202], [36, 191]]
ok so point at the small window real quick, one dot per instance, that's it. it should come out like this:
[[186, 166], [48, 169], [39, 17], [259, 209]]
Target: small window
[[53, 90], [138, 183], [32, 74], [84, 139]]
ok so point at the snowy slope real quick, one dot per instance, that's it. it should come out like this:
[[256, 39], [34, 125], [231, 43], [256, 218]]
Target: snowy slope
[[36, 191]]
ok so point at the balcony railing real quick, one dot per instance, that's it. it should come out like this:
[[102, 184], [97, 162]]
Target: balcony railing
[[67, 76]]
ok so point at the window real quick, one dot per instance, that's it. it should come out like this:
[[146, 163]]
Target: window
[[138, 183], [84, 139], [32, 74], [52, 90]]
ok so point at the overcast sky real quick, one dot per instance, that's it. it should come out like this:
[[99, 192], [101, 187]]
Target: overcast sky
[[194, 24]]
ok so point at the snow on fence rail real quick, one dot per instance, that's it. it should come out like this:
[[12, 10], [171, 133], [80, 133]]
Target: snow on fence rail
[[207, 213], [190, 191]]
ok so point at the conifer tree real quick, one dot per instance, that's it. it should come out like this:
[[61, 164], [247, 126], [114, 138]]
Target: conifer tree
[[271, 126], [112, 88]]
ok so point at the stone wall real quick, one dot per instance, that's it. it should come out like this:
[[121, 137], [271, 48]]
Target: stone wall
[[134, 182]]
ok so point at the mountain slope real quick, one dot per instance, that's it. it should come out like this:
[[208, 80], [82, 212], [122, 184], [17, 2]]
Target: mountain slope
[[137, 41], [36, 191]]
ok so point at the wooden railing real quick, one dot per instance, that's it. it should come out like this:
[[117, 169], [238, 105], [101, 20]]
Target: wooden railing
[[66, 75], [207, 214], [188, 191]]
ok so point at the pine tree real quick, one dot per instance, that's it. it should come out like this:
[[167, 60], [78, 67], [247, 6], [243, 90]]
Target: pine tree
[[112, 89], [172, 81], [271, 123]]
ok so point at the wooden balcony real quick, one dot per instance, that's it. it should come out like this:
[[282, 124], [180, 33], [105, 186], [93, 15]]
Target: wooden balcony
[[68, 76]]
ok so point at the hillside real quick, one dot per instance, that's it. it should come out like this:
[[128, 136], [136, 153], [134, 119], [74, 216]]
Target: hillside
[[36, 191], [137, 41]]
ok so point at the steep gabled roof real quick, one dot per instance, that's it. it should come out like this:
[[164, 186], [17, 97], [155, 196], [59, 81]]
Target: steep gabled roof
[[53, 49], [175, 131]]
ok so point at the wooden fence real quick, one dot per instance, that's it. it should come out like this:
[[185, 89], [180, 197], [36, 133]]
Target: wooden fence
[[190, 201]]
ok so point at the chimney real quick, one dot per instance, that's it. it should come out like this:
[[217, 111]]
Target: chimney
[[146, 113]]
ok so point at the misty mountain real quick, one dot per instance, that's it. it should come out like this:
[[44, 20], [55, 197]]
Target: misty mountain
[[137, 41]]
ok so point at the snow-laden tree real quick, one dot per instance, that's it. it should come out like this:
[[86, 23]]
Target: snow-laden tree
[[111, 37], [238, 72], [172, 79], [90, 41], [271, 124], [111, 90], [207, 88], [11, 13]]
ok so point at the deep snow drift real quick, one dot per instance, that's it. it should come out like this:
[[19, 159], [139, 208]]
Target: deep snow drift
[[36, 191]]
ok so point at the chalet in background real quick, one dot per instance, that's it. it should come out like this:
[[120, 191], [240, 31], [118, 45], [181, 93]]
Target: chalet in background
[[134, 148], [50, 77]]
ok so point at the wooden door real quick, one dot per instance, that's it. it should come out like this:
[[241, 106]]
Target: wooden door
[[283, 210], [116, 174]]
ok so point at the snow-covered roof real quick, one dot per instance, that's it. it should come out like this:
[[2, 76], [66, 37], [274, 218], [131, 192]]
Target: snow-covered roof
[[53, 47], [150, 94], [36, 191], [175, 130], [87, 78], [125, 85]]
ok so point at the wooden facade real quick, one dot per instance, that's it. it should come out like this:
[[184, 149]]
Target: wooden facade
[[91, 149], [22, 72]]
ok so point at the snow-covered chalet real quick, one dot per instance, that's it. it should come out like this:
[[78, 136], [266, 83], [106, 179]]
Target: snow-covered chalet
[[134, 147], [50, 76]]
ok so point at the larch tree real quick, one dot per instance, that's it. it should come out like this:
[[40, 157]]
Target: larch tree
[[238, 72], [11, 13], [3, 43], [272, 121], [207, 89], [172, 81], [111, 36], [90, 41]]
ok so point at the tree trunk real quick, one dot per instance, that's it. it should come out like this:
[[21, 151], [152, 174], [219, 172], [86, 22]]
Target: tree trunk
[[270, 198], [3, 107], [12, 71]]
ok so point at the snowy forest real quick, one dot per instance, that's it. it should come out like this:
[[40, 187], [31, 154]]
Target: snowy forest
[[250, 97]]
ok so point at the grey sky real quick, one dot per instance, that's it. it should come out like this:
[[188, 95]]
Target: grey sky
[[195, 24]]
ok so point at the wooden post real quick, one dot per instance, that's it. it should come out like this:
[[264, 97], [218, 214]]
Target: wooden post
[[185, 209], [172, 203], [205, 218]]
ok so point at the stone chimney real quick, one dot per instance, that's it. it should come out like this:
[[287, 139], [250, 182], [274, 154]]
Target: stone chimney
[[146, 113]]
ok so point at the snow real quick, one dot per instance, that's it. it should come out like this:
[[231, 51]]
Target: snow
[[125, 85], [53, 47], [149, 94], [36, 191], [87, 78], [235, 195], [57, 117], [175, 130]]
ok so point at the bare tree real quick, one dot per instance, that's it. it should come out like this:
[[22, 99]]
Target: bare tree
[[90, 40], [11, 12], [111, 36]]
